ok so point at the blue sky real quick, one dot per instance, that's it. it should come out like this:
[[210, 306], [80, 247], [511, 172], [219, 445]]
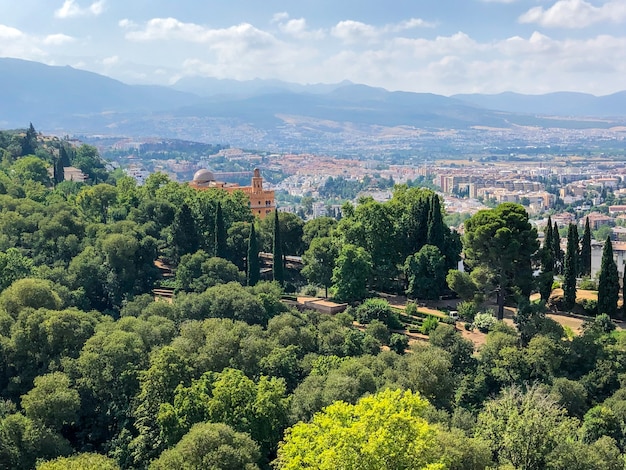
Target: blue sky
[[443, 46]]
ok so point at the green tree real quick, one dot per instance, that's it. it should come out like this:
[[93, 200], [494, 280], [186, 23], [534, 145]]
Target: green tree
[[96, 201], [524, 428], [425, 272], [435, 234], [351, 272], [253, 265], [277, 258], [52, 402], [58, 172], [386, 430], [608, 281], [570, 271], [31, 168], [585, 251], [29, 292], [319, 262], [185, 238], [29, 142], [221, 246], [317, 228], [14, 266], [213, 446], [546, 276], [556, 250], [86, 461], [501, 242]]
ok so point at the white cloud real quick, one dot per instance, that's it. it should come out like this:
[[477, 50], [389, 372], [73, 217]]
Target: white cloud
[[57, 39], [70, 9], [7, 32], [278, 17], [575, 14], [352, 32], [297, 28], [108, 61]]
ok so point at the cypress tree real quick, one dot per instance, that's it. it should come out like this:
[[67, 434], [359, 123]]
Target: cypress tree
[[29, 143], [546, 277], [585, 251], [608, 282], [435, 234], [221, 247], [58, 172], [277, 262], [570, 271], [556, 250], [253, 266], [548, 245], [184, 232], [64, 156]]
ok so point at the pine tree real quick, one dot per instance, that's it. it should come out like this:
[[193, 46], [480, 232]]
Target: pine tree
[[221, 246], [435, 234], [608, 282], [556, 250], [570, 270], [585, 251], [278, 268], [253, 266]]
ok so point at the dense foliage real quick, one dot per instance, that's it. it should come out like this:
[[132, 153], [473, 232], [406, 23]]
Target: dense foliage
[[97, 373]]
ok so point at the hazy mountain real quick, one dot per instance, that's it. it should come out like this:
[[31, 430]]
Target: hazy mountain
[[34, 91], [211, 87], [270, 112], [555, 104]]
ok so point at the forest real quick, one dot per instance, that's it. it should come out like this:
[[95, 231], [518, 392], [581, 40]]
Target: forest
[[98, 373]]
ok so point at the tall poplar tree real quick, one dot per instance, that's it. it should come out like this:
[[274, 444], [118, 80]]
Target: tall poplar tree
[[585, 251], [277, 265], [570, 270], [608, 282], [221, 247], [556, 250], [253, 265]]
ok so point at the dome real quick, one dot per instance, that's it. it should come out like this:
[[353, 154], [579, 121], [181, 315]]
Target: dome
[[203, 176]]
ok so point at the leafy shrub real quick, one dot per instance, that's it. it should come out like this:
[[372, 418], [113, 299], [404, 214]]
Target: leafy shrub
[[309, 290], [590, 306], [398, 343], [467, 310], [429, 324], [588, 284], [378, 309], [484, 321], [556, 285], [411, 309]]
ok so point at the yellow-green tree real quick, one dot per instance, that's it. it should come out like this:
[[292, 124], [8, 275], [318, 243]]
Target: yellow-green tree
[[386, 430]]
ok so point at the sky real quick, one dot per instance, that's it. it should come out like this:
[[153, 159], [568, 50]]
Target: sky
[[434, 46]]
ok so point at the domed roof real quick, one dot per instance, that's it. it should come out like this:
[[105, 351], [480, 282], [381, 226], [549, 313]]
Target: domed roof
[[203, 176]]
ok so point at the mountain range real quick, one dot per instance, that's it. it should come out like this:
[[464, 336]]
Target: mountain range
[[67, 100]]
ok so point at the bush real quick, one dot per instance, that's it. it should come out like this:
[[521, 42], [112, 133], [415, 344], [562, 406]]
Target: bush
[[587, 284], [411, 309], [378, 309], [467, 310], [484, 321], [398, 343], [310, 290], [590, 306], [430, 324]]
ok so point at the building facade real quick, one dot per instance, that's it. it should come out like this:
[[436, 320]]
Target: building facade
[[261, 201]]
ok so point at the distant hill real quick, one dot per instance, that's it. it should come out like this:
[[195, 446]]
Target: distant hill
[[271, 112], [34, 91], [553, 104]]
